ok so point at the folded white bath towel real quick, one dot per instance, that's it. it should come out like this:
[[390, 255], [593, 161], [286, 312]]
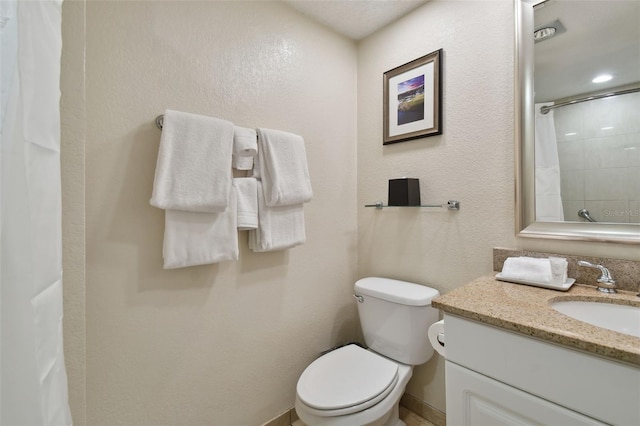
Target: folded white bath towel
[[281, 227], [247, 193], [193, 171], [245, 148], [527, 269], [283, 167], [193, 238]]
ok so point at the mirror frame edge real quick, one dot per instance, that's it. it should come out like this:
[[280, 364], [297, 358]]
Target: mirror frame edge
[[525, 223]]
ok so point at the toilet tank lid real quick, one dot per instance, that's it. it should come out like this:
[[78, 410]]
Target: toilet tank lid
[[396, 291]]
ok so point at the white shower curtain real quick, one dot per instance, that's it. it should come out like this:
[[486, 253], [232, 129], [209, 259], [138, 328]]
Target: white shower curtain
[[34, 383], [548, 197]]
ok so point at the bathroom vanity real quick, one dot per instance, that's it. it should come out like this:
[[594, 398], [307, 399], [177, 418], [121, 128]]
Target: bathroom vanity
[[513, 359]]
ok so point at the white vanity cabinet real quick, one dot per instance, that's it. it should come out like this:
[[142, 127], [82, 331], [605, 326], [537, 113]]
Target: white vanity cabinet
[[497, 377]]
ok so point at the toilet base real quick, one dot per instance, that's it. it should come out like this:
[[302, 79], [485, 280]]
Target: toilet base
[[394, 418]]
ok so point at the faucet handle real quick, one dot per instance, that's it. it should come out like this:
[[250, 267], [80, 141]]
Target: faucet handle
[[606, 282]]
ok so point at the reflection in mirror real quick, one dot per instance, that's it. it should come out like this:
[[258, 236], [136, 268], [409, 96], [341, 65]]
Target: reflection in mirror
[[587, 146], [581, 178]]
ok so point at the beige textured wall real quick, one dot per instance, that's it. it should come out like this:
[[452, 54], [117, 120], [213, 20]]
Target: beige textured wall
[[217, 344], [72, 138], [473, 161]]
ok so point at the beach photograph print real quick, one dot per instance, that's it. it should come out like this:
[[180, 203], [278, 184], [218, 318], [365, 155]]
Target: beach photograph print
[[411, 100]]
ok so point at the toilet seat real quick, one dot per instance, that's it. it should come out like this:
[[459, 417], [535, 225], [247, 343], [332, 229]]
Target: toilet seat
[[345, 381]]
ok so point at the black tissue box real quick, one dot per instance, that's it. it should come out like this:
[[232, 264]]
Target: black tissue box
[[404, 192]]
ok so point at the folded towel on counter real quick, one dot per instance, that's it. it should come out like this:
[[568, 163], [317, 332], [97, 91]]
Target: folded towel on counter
[[281, 227], [193, 171], [527, 269], [283, 168], [245, 148], [247, 193], [193, 238]]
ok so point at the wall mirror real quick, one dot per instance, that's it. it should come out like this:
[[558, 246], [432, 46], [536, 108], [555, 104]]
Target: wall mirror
[[578, 159]]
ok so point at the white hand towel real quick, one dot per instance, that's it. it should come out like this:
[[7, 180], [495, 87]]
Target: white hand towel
[[245, 147], [193, 171], [281, 227], [193, 238], [283, 166], [247, 193], [527, 269]]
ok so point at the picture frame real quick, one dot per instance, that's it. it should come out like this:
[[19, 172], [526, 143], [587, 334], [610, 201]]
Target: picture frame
[[412, 99]]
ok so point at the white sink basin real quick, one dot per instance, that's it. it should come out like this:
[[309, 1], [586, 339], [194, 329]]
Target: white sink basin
[[621, 318]]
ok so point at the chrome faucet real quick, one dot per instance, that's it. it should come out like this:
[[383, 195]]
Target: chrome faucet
[[606, 283]]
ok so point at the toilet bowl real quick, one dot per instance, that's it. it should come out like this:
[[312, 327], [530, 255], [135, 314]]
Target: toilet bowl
[[354, 386], [347, 387]]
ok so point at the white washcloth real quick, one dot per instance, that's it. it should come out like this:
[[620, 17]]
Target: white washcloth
[[527, 269], [193, 171], [245, 147], [281, 227], [255, 172], [247, 193], [192, 238], [283, 168]]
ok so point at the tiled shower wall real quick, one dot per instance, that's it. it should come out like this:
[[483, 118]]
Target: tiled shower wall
[[599, 152]]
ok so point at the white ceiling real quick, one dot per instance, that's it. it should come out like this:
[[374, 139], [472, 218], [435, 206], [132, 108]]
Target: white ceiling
[[355, 19]]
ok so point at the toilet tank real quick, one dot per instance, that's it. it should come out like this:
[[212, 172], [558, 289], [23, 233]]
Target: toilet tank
[[395, 316]]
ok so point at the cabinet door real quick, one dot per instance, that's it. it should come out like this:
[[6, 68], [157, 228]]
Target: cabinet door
[[476, 400]]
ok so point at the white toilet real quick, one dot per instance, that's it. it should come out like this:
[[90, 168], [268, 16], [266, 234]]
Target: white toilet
[[352, 386]]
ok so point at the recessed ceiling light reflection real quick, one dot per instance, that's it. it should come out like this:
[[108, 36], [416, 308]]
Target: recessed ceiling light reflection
[[570, 134], [602, 78], [606, 128]]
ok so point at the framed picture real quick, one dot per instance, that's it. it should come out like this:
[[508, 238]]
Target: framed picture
[[413, 99]]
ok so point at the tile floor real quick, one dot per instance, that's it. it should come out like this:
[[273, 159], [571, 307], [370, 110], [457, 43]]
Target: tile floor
[[412, 419], [409, 417]]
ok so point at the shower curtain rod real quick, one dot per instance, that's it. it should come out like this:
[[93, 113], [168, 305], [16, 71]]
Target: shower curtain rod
[[546, 109]]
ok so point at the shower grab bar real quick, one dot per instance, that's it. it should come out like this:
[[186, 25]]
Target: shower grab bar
[[546, 109], [584, 213]]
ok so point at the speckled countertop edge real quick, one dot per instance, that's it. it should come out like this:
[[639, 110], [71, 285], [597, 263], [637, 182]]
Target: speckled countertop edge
[[527, 310]]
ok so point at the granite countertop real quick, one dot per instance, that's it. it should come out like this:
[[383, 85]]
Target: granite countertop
[[527, 310]]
